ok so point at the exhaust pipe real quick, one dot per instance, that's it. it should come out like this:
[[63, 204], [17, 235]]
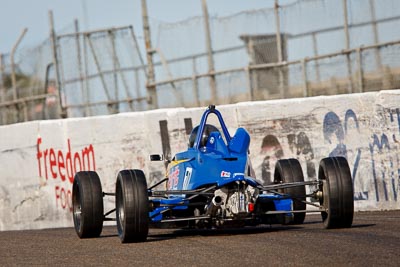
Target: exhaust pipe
[[215, 204]]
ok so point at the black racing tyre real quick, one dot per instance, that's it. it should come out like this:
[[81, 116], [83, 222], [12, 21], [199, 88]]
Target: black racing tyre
[[132, 206], [337, 192], [289, 171], [87, 204]]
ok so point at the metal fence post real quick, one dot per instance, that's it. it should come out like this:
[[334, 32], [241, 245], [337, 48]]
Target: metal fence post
[[115, 67], [278, 31], [13, 75], [2, 90], [305, 78], [360, 71], [2, 87], [279, 47], [346, 25], [195, 85], [53, 39], [137, 85], [347, 43], [79, 61], [14, 78], [152, 90], [86, 65], [249, 83], [315, 48], [376, 36], [252, 83], [210, 55]]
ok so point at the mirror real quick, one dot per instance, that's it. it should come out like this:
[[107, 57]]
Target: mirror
[[156, 157]]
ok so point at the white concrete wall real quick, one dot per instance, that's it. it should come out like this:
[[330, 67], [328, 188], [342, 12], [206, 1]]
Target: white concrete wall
[[36, 162]]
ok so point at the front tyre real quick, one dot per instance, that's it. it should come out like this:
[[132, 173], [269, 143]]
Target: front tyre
[[87, 204], [289, 171], [337, 192], [132, 206]]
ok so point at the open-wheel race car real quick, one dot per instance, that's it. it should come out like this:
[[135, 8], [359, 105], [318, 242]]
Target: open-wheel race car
[[210, 186]]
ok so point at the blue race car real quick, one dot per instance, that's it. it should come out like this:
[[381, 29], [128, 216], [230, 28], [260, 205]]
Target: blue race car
[[210, 185]]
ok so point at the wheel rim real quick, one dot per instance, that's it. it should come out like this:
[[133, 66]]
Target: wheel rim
[[324, 202], [77, 208], [120, 209], [121, 215]]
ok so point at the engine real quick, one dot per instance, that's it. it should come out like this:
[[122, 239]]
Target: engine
[[233, 201]]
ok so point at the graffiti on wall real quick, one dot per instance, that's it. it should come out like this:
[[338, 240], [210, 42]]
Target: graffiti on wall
[[61, 166], [272, 150], [336, 134], [385, 166]]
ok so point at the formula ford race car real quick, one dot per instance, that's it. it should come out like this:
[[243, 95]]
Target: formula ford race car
[[209, 186]]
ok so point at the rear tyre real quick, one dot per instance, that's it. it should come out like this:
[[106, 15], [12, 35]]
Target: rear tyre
[[132, 206], [289, 171], [337, 192], [87, 204]]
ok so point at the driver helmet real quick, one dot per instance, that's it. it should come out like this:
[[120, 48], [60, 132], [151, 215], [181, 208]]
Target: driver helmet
[[208, 128]]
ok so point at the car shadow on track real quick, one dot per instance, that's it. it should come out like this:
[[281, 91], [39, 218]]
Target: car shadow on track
[[157, 234], [363, 225], [179, 233]]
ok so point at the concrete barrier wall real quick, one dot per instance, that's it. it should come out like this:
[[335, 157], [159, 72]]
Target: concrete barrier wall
[[38, 159]]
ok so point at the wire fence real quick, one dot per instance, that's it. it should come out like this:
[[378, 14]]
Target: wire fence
[[22, 85], [102, 72], [74, 74], [26, 90], [308, 48], [281, 52]]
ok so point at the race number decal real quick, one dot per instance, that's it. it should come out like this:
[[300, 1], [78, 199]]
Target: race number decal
[[188, 175], [173, 178]]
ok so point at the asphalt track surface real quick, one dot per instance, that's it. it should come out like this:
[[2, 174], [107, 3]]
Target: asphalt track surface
[[373, 240]]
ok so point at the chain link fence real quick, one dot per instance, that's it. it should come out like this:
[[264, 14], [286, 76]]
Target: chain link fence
[[22, 85], [74, 74], [102, 72], [27, 88], [307, 48]]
